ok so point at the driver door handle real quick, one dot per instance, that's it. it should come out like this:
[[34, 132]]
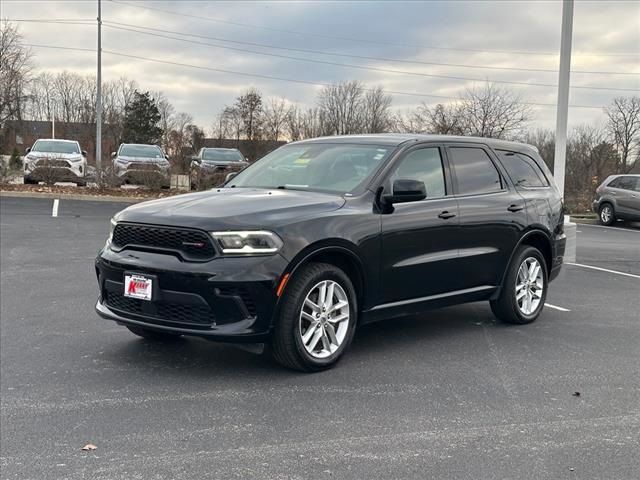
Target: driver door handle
[[515, 208], [445, 215]]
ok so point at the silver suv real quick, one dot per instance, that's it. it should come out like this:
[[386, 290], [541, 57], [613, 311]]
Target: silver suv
[[141, 164], [50, 160], [618, 198]]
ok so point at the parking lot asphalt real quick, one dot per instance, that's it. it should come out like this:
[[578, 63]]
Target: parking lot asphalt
[[449, 394]]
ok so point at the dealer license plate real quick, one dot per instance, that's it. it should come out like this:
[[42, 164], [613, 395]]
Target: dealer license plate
[[138, 286]]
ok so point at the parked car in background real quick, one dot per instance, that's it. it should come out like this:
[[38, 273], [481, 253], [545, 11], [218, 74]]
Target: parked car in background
[[618, 198], [322, 236], [51, 160], [142, 164], [210, 161]]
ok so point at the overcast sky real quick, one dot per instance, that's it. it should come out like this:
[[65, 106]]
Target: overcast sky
[[524, 34]]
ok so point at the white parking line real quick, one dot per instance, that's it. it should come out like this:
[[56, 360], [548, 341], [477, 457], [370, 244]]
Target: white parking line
[[604, 270], [562, 309], [619, 229], [54, 212]]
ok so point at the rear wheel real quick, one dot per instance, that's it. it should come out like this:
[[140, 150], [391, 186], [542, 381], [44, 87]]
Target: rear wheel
[[154, 335], [525, 288], [317, 319], [606, 214], [28, 181]]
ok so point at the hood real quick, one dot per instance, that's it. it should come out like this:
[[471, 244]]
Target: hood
[[142, 159], [208, 163], [53, 155], [232, 208]]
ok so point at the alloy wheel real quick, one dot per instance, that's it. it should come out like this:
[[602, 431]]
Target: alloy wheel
[[529, 286], [605, 214], [324, 319]]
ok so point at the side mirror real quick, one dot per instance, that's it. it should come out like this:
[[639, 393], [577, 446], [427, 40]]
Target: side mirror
[[113, 154], [230, 176], [28, 150], [405, 190], [84, 153], [166, 156]]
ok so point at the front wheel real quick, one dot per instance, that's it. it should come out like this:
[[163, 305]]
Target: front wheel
[[525, 288], [317, 318], [606, 214]]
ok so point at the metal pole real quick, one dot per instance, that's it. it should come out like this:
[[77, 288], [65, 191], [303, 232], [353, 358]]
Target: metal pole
[[563, 94], [53, 125], [99, 95]]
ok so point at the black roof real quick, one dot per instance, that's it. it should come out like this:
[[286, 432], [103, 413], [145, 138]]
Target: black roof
[[396, 139]]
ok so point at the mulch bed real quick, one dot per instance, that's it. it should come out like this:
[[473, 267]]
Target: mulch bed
[[90, 191]]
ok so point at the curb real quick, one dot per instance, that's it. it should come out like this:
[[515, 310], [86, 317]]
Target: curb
[[71, 196]]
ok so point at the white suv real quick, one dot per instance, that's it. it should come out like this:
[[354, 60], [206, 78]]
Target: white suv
[[52, 160]]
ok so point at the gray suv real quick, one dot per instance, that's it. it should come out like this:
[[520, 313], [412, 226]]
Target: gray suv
[[618, 198]]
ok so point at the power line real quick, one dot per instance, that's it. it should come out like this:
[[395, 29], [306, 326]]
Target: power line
[[60, 48], [282, 79], [376, 69], [64, 21], [306, 82], [361, 40], [366, 57]]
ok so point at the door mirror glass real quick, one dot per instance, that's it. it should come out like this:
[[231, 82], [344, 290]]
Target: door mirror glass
[[406, 190], [113, 154]]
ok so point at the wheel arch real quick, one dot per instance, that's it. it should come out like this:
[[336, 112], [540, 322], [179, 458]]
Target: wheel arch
[[535, 238], [340, 253]]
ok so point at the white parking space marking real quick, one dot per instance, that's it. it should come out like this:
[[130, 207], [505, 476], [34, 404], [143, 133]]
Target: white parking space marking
[[604, 270], [618, 229], [54, 212], [555, 307]]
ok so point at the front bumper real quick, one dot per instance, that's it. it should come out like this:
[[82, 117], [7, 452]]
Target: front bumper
[[225, 299], [595, 206], [71, 172]]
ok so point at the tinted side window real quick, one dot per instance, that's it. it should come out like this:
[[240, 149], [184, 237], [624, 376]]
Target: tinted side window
[[626, 183], [425, 165], [475, 172], [523, 170]]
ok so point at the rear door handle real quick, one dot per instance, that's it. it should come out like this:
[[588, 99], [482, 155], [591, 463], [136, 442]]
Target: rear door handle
[[515, 208], [445, 215]]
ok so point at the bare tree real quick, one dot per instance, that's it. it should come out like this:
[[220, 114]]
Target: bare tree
[[445, 119], [494, 111], [275, 117], [624, 127], [545, 142], [377, 111], [167, 116], [249, 106], [15, 72], [342, 107]]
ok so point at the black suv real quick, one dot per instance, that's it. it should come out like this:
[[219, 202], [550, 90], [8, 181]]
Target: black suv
[[323, 235]]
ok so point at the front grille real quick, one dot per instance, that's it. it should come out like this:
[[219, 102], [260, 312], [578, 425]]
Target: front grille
[[45, 162], [164, 311], [192, 245], [143, 166]]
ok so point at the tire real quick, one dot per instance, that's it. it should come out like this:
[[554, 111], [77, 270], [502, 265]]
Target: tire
[[606, 214], [290, 345], [28, 181], [81, 184], [507, 308], [154, 335]]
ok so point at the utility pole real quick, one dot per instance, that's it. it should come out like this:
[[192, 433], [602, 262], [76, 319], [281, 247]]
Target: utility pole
[[562, 113], [99, 95], [53, 125]]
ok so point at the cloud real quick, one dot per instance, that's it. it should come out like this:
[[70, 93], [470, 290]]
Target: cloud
[[411, 31]]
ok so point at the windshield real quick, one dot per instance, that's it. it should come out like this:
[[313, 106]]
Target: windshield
[[316, 166], [148, 151], [222, 155], [55, 146]]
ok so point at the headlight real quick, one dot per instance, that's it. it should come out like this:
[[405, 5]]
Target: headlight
[[248, 242], [112, 226]]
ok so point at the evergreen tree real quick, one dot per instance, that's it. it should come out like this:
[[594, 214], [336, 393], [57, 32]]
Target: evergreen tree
[[141, 120]]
